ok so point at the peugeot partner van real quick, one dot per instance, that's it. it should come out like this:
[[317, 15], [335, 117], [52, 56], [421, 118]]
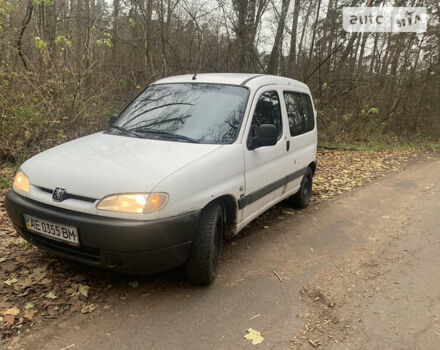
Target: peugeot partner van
[[190, 161]]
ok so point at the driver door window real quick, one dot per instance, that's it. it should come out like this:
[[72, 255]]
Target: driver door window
[[267, 111]]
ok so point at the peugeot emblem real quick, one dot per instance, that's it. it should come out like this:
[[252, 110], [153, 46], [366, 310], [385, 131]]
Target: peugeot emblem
[[58, 194]]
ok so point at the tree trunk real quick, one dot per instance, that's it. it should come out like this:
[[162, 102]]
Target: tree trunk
[[272, 67], [26, 20], [293, 36], [332, 36], [51, 26], [116, 10], [374, 53], [349, 47], [314, 29], [248, 13], [86, 26], [147, 31], [303, 32], [240, 29]]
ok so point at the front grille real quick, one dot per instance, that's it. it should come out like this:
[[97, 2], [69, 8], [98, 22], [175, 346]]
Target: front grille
[[70, 195], [84, 253]]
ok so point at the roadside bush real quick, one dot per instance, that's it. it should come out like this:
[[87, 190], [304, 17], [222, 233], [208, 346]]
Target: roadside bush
[[38, 111]]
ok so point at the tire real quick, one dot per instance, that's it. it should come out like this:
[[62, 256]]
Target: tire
[[301, 199], [202, 264]]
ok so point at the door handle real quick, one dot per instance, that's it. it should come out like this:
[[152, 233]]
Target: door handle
[[288, 145]]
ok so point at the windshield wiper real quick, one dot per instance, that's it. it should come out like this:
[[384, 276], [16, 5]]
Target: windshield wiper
[[167, 134], [125, 131]]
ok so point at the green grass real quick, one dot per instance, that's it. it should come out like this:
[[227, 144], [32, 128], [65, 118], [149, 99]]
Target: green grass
[[7, 171], [5, 182]]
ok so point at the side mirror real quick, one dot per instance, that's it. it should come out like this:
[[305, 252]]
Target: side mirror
[[266, 135], [113, 118]]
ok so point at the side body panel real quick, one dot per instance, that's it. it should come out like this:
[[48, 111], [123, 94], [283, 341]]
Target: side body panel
[[278, 168], [194, 186], [265, 167], [302, 147]]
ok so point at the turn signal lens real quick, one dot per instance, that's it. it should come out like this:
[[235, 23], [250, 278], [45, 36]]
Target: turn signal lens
[[21, 181], [156, 202], [134, 203]]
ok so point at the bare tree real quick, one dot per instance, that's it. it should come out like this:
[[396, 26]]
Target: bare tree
[[272, 66]]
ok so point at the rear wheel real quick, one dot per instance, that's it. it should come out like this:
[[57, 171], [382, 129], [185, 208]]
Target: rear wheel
[[202, 264], [301, 199]]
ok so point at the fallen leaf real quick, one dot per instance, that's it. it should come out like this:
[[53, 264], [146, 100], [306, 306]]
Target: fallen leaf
[[314, 343], [51, 295], [2, 260], [14, 311], [133, 284], [45, 281], [9, 319], [29, 315], [83, 290], [28, 306], [88, 308], [38, 274], [26, 246], [11, 281], [24, 283], [254, 336]]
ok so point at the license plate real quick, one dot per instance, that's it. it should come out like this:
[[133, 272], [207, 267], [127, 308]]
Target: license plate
[[63, 233]]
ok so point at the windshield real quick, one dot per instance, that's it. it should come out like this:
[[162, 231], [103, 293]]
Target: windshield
[[201, 113]]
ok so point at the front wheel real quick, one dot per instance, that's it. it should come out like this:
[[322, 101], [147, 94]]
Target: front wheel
[[301, 199], [202, 264]]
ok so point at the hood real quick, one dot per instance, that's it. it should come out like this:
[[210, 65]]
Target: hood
[[101, 164]]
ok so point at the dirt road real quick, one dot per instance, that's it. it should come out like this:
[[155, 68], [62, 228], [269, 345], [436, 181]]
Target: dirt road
[[357, 272]]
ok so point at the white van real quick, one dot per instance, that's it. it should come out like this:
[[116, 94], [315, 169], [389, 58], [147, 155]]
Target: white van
[[190, 161]]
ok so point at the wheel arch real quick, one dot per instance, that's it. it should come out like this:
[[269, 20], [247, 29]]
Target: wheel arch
[[312, 166], [230, 208]]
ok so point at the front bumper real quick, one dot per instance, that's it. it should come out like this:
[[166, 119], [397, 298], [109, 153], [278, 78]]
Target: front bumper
[[129, 246]]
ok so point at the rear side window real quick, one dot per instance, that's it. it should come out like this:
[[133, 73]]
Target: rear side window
[[267, 111], [307, 108], [299, 112]]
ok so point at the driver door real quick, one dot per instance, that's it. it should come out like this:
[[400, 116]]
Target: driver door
[[265, 167]]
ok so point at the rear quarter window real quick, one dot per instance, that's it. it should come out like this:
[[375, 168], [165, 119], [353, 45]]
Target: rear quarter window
[[307, 108], [299, 112]]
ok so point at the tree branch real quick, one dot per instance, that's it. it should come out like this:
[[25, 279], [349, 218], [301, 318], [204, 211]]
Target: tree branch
[[27, 19]]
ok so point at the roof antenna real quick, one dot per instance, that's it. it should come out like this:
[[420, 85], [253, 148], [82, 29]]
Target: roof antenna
[[194, 76]]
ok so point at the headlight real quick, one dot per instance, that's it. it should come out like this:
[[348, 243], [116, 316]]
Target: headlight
[[136, 203], [21, 181]]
